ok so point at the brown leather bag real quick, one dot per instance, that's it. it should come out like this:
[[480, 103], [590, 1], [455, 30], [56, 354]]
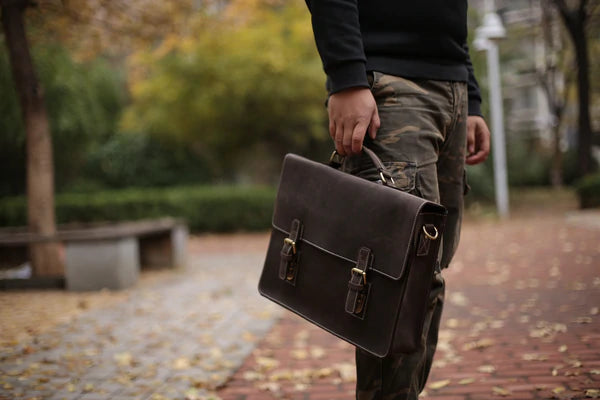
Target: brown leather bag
[[354, 257]]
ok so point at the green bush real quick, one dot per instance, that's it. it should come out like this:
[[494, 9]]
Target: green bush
[[205, 208], [588, 191]]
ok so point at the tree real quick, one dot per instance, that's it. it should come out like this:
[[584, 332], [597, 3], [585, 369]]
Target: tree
[[555, 80], [107, 24], [40, 177], [575, 16], [245, 87]]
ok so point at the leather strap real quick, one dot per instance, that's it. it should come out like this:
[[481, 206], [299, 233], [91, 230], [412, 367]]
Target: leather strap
[[288, 266], [336, 161], [358, 287]]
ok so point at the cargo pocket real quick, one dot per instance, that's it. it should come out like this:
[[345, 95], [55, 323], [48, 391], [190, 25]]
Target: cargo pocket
[[404, 174]]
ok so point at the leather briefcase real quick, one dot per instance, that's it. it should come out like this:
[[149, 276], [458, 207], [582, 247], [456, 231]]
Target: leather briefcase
[[352, 256]]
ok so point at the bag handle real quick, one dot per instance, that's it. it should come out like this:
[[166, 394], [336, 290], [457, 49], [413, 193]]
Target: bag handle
[[336, 160]]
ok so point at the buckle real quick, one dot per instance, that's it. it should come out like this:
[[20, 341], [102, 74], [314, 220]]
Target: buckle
[[291, 243], [361, 272]]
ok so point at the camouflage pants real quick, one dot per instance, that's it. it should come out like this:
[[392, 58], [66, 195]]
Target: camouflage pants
[[422, 141]]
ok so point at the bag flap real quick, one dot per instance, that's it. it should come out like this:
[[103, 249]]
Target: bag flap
[[341, 213]]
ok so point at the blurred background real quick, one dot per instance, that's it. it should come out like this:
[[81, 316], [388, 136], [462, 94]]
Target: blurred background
[[187, 107]]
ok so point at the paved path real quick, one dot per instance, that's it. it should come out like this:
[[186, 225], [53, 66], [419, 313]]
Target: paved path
[[181, 338], [522, 321]]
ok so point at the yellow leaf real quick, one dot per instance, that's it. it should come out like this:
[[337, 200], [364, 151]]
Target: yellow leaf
[[123, 359], [439, 384], [317, 352], [479, 344], [592, 393], [253, 376], [181, 363], [558, 390], [534, 357], [267, 362], [562, 348], [501, 391], [299, 354], [487, 369], [88, 387], [466, 381]]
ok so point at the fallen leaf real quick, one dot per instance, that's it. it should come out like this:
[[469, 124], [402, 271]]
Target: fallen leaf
[[595, 372], [88, 387], [534, 357], [583, 320], [488, 369], [267, 363], [299, 354], [501, 391], [466, 381], [317, 352], [181, 363], [458, 299], [592, 393], [558, 390], [253, 376], [270, 387], [323, 373], [439, 384], [479, 344], [562, 348], [347, 371], [123, 359]]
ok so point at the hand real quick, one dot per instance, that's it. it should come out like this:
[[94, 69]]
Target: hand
[[352, 112], [478, 140]]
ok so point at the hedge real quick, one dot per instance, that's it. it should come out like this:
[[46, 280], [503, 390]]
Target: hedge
[[588, 191], [205, 208]]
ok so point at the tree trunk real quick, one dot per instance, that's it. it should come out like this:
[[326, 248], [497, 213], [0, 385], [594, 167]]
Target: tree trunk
[[575, 20], [40, 176], [584, 128]]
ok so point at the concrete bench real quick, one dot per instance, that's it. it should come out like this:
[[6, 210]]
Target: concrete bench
[[109, 255]]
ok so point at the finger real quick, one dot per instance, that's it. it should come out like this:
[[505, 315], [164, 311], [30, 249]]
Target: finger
[[339, 140], [332, 129], [358, 137], [476, 158], [347, 139], [470, 138], [482, 146], [374, 125]]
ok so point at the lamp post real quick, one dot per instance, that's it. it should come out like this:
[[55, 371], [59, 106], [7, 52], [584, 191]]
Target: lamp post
[[486, 35]]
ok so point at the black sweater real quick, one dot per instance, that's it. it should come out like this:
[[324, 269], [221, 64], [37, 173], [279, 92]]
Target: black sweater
[[409, 38]]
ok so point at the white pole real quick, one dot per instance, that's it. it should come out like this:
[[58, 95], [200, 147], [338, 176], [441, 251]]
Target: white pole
[[498, 145]]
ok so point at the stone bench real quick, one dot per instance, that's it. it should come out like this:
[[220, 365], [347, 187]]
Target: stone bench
[[109, 256]]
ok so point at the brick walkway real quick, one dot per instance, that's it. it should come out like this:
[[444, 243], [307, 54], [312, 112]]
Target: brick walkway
[[521, 322]]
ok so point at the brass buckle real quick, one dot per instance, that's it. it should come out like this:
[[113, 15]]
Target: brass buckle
[[291, 243], [336, 158], [430, 236], [360, 271], [385, 180]]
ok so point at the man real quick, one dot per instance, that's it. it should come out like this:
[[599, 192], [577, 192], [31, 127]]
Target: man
[[401, 82]]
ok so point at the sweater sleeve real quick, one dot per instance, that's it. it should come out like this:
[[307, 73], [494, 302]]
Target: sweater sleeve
[[473, 87], [337, 34]]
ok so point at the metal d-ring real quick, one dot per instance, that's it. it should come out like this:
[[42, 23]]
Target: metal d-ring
[[429, 235]]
